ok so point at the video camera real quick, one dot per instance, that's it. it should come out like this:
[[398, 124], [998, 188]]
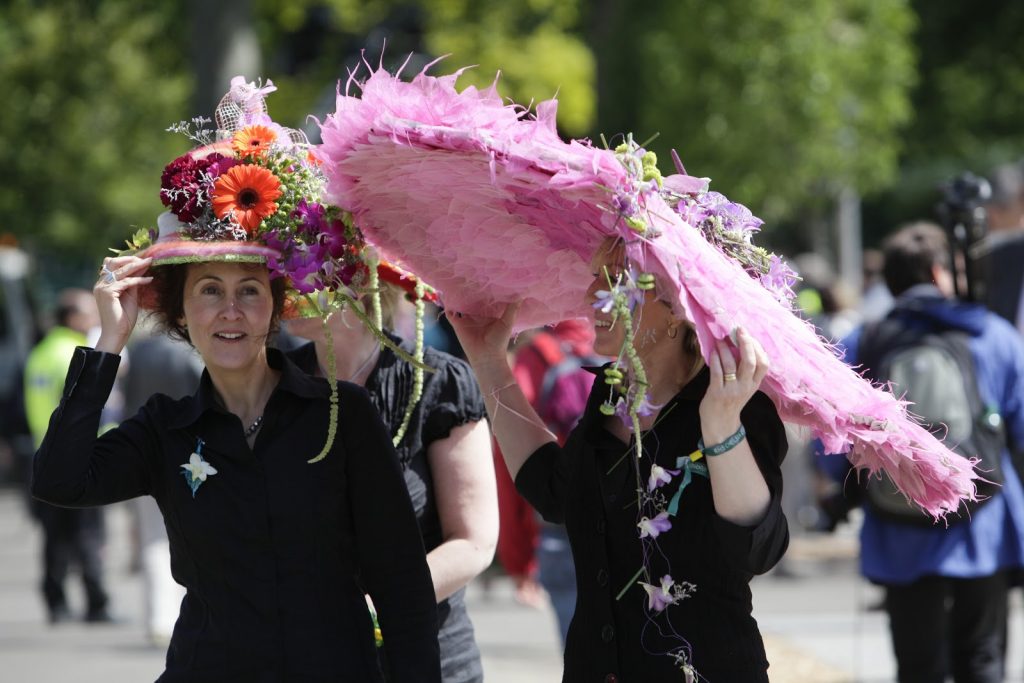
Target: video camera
[[961, 211]]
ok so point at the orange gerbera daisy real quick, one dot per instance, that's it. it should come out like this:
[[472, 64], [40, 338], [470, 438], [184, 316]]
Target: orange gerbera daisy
[[253, 141], [246, 193]]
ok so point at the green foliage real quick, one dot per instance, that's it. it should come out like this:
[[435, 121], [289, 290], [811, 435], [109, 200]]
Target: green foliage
[[81, 156], [778, 106], [967, 105], [534, 46]]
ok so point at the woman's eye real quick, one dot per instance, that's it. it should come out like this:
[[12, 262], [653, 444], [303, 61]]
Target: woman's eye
[[209, 289]]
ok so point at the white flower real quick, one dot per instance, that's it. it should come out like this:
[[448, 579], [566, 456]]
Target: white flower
[[653, 527], [660, 597], [198, 468]]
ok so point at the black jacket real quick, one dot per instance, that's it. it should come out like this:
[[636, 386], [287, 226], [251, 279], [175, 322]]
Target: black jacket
[[591, 484], [275, 552]]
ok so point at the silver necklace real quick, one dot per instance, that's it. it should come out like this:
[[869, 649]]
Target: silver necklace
[[251, 429]]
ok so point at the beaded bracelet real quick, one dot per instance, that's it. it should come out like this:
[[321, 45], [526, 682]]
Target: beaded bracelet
[[725, 446]]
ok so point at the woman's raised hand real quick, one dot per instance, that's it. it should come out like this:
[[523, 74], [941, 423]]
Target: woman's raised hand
[[732, 385], [117, 296], [485, 339]]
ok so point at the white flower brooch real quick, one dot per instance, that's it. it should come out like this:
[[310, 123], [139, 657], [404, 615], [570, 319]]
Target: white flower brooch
[[197, 469]]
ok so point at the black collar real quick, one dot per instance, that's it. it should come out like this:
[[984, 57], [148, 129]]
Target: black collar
[[293, 380]]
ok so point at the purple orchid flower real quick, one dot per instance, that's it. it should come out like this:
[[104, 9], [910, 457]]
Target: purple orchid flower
[[659, 477], [645, 409], [311, 215], [779, 279], [653, 527], [660, 597]]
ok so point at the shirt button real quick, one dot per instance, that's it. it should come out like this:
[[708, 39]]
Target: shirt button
[[612, 497], [607, 634], [600, 526], [611, 678], [602, 578]]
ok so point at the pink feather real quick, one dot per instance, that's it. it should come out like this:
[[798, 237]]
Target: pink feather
[[490, 206]]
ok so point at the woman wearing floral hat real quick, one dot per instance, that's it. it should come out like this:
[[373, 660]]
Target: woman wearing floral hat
[[282, 496]]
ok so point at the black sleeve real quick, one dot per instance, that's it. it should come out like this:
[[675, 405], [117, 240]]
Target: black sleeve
[[392, 562], [73, 467], [543, 480], [758, 548], [454, 400]]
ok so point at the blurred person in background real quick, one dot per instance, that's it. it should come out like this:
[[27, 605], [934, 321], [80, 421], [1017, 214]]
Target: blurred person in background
[[1005, 238], [945, 586], [876, 299], [551, 366], [70, 537], [159, 364], [444, 452]]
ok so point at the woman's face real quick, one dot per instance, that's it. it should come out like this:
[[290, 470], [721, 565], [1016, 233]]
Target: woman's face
[[228, 308], [651, 319]]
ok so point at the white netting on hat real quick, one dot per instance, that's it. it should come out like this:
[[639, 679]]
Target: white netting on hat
[[245, 105]]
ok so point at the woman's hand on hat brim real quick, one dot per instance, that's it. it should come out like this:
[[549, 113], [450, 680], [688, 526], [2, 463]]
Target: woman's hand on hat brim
[[735, 377], [117, 297], [485, 339]]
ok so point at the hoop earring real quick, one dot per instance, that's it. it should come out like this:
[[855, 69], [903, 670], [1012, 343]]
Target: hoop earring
[[673, 331]]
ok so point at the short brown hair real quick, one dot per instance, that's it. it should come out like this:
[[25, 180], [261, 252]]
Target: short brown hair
[[169, 287], [910, 254]]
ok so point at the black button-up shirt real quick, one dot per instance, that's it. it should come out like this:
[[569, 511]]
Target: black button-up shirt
[[275, 552], [590, 485]]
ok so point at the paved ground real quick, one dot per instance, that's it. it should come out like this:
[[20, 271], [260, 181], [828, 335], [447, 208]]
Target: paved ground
[[814, 615]]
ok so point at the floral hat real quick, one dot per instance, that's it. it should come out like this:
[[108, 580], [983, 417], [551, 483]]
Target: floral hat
[[487, 202], [252, 191]]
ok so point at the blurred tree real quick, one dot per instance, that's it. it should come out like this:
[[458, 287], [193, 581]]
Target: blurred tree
[[967, 104], [84, 83], [536, 45], [782, 108]]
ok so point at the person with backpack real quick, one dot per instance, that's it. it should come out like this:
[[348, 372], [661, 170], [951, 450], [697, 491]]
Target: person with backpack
[[962, 366]]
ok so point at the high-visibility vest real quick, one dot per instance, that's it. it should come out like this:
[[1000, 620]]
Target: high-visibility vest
[[45, 370]]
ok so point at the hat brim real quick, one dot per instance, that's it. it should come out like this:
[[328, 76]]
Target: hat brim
[[492, 207], [178, 252]]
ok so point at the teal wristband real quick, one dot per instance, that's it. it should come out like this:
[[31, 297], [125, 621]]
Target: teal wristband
[[725, 446]]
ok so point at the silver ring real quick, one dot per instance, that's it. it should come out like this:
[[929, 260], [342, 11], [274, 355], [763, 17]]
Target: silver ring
[[108, 275]]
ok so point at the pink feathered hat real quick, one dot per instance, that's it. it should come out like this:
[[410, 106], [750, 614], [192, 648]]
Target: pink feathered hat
[[488, 204]]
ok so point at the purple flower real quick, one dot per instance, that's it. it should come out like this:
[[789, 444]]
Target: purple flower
[[311, 215], [659, 477], [645, 409], [336, 240], [779, 279], [660, 597], [734, 216], [653, 527]]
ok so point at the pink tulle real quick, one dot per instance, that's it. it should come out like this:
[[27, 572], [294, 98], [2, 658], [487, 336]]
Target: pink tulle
[[490, 206]]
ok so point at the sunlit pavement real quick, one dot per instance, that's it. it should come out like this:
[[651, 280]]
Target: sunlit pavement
[[814, 614]]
